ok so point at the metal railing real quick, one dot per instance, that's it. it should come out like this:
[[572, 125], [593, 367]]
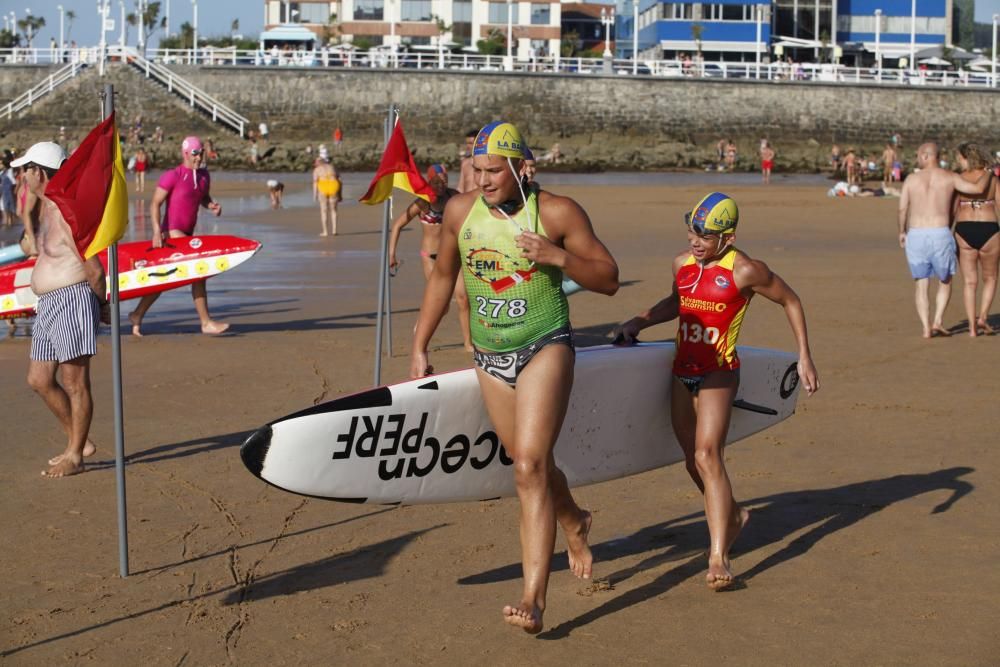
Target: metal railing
[[196, 97], [431, 58], [42, 88]]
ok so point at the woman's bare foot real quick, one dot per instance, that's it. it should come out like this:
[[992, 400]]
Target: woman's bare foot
[[64, 468], [581, 560], [136, 324], [526, 616], [719, 576], [983, 324], [213, 328], [938, 331], [88, 450]]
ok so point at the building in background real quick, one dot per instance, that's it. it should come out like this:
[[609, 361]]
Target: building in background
[[454, 24], [583, 19]]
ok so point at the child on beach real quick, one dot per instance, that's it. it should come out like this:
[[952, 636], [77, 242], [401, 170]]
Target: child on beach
[[713, 283]]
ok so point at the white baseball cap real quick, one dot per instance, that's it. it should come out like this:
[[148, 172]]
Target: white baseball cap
[[44, 153]]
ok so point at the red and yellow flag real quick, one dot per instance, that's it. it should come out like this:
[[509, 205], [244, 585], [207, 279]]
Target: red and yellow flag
[[397, 169], [90, 190]]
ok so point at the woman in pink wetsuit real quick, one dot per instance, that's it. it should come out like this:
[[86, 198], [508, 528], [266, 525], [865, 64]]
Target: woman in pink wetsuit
[[182, 190]]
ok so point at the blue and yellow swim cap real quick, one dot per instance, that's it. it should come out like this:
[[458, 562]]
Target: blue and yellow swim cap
[[499, 138], [715, 214]]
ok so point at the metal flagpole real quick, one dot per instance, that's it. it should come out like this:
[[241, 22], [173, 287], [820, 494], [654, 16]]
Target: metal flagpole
[[388, 287], [383, 262], [116, 360]]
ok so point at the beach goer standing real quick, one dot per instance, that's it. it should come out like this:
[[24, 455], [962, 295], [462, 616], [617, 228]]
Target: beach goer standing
[[835, 159], [512, 245], [767, 155], [180, 192], [141, 163], [7, 182], [431, 216], [713, 283], [71, 304], [730, 155], [924, 222], [466, 182], [327, 191], [888, 163], [978, 236]]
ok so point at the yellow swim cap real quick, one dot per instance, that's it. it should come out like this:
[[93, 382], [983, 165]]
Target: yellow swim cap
[[714, 214], [499, 138]]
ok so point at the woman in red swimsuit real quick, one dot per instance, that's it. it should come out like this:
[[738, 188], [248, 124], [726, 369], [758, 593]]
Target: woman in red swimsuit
[[712, 287], [141, 163]]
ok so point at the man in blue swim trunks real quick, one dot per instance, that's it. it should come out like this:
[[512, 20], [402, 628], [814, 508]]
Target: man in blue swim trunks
[[925, 234]]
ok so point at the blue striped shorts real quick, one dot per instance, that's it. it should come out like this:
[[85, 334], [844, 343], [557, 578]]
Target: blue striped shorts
[[66, 324]]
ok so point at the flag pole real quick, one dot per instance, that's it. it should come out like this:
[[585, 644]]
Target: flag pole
[[383, 262], [388, 288], [107, 109]]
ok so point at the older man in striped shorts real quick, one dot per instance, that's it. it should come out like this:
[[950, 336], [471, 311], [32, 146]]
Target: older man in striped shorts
[[71, 304]]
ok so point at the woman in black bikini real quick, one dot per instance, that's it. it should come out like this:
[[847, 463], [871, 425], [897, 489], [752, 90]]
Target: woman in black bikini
[[978, 236]]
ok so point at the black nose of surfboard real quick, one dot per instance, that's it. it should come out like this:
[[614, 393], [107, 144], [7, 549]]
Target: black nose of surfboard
[[254, 449]]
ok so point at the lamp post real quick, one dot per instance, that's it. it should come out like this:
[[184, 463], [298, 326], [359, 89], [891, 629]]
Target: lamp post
[[607, 20], [878, 45], [635, 37], [194, 9], [391, 4], [759, 10], [102, 10], [121, 32], [509, 62], [141, 39], [166, 19], [913, 35], [996, 19], [62, 13]]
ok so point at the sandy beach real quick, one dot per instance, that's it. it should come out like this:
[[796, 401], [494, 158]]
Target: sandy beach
[[872, 538]]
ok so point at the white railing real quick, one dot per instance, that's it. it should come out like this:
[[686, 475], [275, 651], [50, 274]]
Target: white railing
[[443, 60], [41, 89], [196, 97]]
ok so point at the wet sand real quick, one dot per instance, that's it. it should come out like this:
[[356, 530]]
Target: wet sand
[[872, 538]]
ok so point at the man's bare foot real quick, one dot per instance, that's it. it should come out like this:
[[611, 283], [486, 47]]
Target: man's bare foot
[[64, 468], [88, 450], [981, 323], [719, 577], [939, 331], [581, 560], [526, 616], [213, 328], [324, 234], [136, 324]]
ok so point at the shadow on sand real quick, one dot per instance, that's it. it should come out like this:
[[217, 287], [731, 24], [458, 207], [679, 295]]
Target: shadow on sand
[[355, 565], [774, 518]]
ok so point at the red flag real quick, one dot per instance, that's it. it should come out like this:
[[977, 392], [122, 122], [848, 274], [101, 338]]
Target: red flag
[[397, 169], [90, 190]]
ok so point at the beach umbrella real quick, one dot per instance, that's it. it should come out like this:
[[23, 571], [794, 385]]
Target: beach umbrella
[[939, 51], [935, 62]]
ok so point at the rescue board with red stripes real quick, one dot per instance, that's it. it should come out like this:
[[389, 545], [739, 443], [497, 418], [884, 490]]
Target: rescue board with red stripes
[[142, 269]]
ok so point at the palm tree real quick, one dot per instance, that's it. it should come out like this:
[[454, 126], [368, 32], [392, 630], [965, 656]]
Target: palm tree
[[70, 15], [29, 25], [696, 30]]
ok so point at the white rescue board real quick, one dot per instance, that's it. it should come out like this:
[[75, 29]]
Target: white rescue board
[[431, 441]]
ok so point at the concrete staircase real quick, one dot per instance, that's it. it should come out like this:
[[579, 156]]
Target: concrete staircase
[[46, 86]]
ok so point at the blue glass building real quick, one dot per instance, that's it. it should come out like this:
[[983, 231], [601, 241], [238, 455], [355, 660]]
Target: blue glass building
[[736, 29]]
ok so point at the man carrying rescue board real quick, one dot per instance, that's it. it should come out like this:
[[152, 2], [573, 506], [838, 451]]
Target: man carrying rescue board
[[712, 287], [512, 244]]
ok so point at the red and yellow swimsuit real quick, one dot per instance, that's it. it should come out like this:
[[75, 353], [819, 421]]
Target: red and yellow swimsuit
[[711, 312]]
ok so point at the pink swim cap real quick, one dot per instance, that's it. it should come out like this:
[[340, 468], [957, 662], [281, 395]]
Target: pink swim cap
[[191, 143]]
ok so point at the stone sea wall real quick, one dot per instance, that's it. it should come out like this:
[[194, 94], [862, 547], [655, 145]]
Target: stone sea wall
[[600, 122]]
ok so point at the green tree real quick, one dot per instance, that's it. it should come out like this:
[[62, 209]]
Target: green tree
[[30, 25], [70, 17], [494, 44], [9, 40], [696, 31], [569, 44]]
